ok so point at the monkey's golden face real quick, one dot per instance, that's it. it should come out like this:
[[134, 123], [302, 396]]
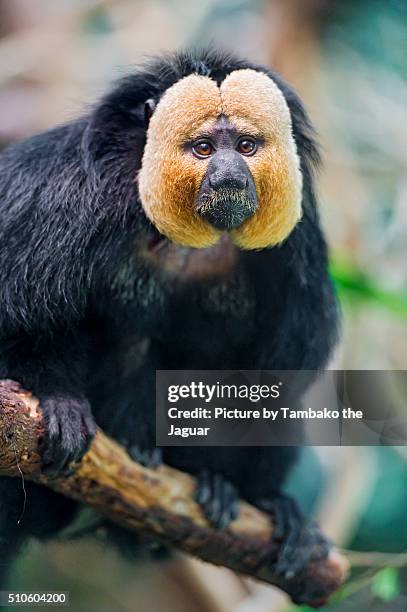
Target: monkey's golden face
[[222, 159]]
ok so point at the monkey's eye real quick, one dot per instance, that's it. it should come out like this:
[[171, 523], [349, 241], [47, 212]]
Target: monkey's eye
[[203, 148], [247, 146]]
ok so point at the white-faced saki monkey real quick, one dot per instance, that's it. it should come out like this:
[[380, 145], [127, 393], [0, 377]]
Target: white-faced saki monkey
[[172, 226]]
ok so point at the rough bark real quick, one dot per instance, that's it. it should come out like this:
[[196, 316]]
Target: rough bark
[[157, 503]]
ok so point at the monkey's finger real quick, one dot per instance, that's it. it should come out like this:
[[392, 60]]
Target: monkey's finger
[[156, 458], [213, 508], [203, 491], [230, 506]]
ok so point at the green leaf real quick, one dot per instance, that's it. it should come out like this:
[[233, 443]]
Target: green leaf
[[353, 283], [386, 584]]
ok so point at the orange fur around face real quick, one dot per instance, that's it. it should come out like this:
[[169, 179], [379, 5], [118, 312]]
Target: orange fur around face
[[170, 176]]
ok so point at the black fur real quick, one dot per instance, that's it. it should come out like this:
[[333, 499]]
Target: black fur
[[84, 319]]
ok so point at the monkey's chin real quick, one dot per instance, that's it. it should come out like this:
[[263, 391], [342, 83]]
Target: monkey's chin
[[189, 263]]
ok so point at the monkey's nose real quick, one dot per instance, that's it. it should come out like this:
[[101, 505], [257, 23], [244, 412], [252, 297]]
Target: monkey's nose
[[220, 180]]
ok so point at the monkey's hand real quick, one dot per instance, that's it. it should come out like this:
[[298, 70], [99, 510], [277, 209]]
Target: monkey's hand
[[70, 430], [300, 539], [218, 498], [151, 457], [139, 442]]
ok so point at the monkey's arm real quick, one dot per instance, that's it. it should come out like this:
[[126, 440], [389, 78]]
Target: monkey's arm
[[54, 368], [50, 237], [159, 503], [298, 316]]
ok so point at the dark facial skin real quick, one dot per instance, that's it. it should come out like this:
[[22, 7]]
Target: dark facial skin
[[227, 196]]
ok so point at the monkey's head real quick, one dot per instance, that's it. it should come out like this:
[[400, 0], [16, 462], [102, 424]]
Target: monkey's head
[[222, 159]]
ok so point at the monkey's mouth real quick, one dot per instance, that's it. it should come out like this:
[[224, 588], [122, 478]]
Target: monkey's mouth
[[226, 209], [189, 263]]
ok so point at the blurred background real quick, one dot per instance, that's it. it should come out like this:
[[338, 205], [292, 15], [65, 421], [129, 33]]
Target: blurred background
[[348, 61]]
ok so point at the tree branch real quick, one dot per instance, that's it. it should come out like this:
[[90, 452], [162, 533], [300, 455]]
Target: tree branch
[[158, 503]]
